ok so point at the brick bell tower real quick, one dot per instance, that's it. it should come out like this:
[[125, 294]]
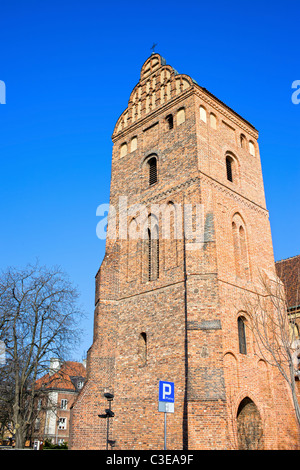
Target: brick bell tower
[[168, 303]]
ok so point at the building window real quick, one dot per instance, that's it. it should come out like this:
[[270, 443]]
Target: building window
[[63, 404], [80, 384], [229, 165], [242, 335], [202, 114], [213, 121], [180, 116], [62, 423], [142, 349], [243, 141], [251, 148], [236, 249], [152, 252], [149, 255], [169, 120], [133, 144], [152, 171], [123, 150], [240, 247]]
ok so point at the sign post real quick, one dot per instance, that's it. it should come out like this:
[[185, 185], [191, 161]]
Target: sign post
[[166, 398]]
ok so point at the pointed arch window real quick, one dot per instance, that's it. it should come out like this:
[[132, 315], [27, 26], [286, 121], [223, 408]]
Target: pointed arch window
[[123, 149], [213, 121], [243, 141], [242, 335], [149, 254], [251, 148], [236, 249], [202, 114], [142, 349], [169, 120], [250, 431], [132, 249], [229, 169], [232, 168], [133, 144], [170, 230], [152, 252], [240, 247], [180, 116], [152, 163]]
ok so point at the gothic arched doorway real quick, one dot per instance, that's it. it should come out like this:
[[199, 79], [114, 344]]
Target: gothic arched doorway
[[249, 426]]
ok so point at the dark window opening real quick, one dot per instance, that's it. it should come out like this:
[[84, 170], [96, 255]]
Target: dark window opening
[[243, 141], [149, 255], [229, 168], [169, 120], [153, 256], [152, 171], [242, 336], [143, 349]]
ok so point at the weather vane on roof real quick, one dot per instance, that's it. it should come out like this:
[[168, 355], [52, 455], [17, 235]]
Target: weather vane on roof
[[153, 47]]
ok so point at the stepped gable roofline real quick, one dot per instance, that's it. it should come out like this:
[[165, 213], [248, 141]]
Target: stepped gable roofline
[[151, 65], [158, 84]]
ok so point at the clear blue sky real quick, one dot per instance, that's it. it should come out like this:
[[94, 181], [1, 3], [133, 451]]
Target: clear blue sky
[[69, 68]]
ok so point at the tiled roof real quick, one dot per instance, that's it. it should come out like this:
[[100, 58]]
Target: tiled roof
[[288, 270], [64, 378]]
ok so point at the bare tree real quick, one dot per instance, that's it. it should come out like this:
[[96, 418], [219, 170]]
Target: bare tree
[[39, 319], [275, 332]]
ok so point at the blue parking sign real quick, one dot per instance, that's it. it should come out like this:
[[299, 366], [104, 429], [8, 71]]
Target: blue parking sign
[[166, 398], [166, 392]]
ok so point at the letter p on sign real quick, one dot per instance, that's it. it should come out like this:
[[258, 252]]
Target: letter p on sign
[[166, 391]]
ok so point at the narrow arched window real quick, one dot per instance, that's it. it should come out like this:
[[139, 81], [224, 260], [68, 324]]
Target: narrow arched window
[[229, 169], [133, 144], [149, 255], [180, 116], [243, 141], [153, 253], [242, 335], [236, 247], [123, 150], [157, 258], [241, 254], [169, 120], [243, 248], [152, 163], [132, 249], [142, 349], [202, 114], [251, 148], [213, 121], [170, 234]]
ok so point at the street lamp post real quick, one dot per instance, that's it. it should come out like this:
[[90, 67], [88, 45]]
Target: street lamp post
[[108, 414]]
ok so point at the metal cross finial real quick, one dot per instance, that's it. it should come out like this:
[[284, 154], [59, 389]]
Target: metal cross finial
[[153, 47]]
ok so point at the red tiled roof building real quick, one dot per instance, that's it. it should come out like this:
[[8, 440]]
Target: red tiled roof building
[[60, 386]]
